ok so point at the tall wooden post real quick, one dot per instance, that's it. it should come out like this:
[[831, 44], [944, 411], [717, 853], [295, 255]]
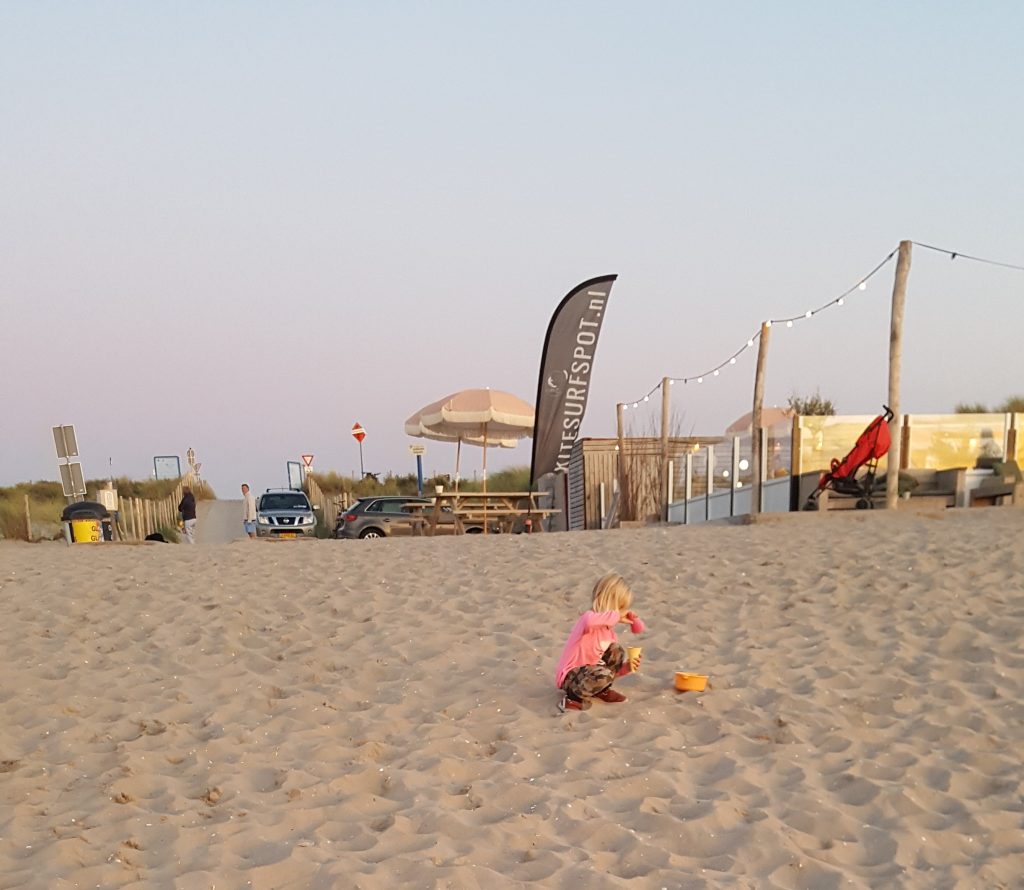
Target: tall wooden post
[[28, 521], [899, 293], [621, 433], [756, 440], [666, 407]]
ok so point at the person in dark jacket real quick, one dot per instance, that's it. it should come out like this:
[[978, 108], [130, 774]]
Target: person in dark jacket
[[187, 509]]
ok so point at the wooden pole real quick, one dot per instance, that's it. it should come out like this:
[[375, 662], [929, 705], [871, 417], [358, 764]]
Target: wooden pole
[[899, 293], [666, 407], [756, 455], [620, 466], [28, 521], [485, 478]]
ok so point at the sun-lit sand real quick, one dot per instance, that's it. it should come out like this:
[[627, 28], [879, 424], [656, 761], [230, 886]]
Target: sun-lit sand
[[381, 714]]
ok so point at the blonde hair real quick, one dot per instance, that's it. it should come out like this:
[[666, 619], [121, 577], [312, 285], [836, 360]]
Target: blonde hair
[[612, 594]]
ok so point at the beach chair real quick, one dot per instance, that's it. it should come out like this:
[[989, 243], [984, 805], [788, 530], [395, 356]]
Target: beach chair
[[845, 476]]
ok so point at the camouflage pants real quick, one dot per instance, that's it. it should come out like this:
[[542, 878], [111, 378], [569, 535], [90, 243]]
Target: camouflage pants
[[588, 680]]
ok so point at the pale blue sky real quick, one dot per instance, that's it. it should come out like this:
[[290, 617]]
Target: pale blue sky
[[242, 227]]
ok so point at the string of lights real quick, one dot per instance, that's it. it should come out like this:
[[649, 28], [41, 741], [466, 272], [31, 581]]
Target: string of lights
[[861, 285], [956, 254]]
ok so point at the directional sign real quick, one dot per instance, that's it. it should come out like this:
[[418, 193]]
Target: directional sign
[[307, 459], [71, 479], [67, 444], [417, 449], [358, 433]]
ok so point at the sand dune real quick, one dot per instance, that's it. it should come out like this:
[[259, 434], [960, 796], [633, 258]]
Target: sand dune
[[321, 714]]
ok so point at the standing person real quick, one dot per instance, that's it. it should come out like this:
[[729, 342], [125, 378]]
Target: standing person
[[187, 509], [248, 511], [593, 658]]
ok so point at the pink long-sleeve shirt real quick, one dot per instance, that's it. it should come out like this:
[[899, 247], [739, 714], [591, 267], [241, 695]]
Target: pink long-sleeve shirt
[[592, 634]]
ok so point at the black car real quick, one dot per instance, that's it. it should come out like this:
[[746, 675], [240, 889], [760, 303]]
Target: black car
[[388, 516]]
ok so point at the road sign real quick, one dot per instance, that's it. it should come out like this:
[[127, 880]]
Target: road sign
[[358, 433], [71, 479], [307, 459], [64, 439], [417, 449], [167, 466]]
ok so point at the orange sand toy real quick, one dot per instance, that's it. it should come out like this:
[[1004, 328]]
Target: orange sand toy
[[690, 682]]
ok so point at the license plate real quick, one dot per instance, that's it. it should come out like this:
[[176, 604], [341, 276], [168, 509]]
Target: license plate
[[288, 535]]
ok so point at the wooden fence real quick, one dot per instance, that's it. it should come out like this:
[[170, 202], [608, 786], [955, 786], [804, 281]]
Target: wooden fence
[[330, 504], [138, 517]]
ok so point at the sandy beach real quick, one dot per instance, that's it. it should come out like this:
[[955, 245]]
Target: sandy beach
[[324, 714]]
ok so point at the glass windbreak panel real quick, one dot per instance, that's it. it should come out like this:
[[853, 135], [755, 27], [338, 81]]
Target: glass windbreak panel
[[723, 465], [823, 439], [1018, 425], [945, 441], [699, 468], [779, 455], [284, 501], [745, 465]]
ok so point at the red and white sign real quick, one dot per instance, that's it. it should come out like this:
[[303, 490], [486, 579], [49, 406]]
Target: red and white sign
[[307, 459], [358, 433]]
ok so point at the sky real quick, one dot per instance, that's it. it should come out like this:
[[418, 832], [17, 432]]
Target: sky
[[244, 227]]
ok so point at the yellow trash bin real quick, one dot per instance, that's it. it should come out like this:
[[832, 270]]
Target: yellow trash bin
[[86, 522], [87, 531]]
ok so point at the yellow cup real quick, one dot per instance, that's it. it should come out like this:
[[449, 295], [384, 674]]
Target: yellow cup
[[633, 652]]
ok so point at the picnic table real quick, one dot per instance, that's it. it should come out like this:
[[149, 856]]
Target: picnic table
[[498, 510]]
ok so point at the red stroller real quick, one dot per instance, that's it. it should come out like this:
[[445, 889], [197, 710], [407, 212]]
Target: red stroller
[[842, 478]]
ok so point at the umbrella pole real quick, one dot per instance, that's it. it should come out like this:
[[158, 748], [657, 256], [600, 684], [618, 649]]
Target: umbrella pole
[[458, 457], [485, 478]]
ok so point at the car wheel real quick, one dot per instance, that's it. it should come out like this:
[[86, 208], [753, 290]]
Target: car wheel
[[474, 531], [371, 533]]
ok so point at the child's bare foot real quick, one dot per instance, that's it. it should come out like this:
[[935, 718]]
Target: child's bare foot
[[610, 695]]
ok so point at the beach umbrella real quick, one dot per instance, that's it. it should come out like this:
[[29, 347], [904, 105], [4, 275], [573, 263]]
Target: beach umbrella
[[488, 418], [770, 417]]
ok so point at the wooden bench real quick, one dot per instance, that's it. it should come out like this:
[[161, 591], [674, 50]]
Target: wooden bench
[[1005, 482], [505, 519]]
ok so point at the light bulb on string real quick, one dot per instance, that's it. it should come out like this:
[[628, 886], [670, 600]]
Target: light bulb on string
[[647, 398], [732, 361], [808, 313], [840, 301], [789, 324], [862, 286], [750, 343], [716, 372], [636, 404], [700, 379]]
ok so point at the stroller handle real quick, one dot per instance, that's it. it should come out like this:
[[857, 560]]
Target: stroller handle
[[888, 413]]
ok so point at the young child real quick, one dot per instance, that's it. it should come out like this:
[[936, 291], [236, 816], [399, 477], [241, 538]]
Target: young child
[[592, 657]]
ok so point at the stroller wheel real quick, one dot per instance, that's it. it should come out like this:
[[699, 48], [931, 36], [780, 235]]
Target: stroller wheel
[[863, 504]]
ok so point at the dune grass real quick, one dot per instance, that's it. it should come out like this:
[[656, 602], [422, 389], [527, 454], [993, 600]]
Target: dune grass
[[332, 483], [47, 502]]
